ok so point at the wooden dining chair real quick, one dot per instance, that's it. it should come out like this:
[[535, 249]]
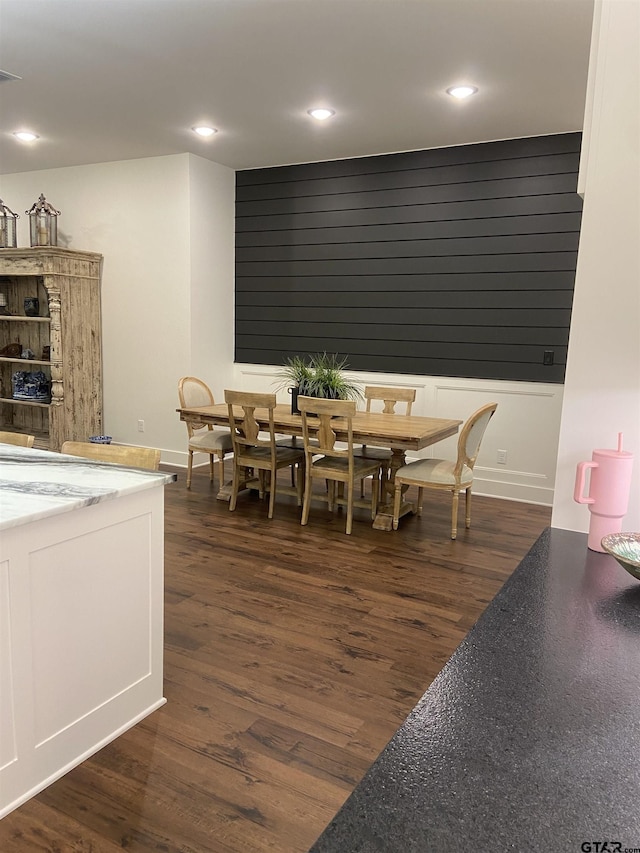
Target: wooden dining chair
[[133, 457], [264, 455], [333, 465], [390, 397], [20, 439], [203, 438], [441, 474]]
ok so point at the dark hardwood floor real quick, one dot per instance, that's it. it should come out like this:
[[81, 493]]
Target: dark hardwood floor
[[292, 656]]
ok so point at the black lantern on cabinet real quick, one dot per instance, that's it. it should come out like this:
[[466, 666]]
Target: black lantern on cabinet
[[43, 223], [7, 227]]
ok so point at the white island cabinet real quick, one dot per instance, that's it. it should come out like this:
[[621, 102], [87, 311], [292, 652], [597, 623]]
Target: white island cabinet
[[81, 611]]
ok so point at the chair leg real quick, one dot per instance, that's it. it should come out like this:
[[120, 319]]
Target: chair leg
[[211, 467], [299, 469], [350, 486], [221, 470], [467, 507], [374, 495], [384, 479], [397, 496], [234, 488], [307, 498], [454, 514], [272, 492], [189, 468], [420, 499]]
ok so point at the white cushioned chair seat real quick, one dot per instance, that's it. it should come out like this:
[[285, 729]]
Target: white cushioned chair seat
[[194, 393], [212, 439], [441, 473], [438, 471]]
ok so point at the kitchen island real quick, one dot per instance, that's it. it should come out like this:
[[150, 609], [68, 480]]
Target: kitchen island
[[529, 738], [81, 611]]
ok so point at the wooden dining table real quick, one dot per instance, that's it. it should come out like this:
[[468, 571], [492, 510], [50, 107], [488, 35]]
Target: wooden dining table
[[399, 433]]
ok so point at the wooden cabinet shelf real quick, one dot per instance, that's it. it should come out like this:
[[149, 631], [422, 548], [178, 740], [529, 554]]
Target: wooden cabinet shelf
[[15, 402], [22, 318], [66, 283], [24, 361]]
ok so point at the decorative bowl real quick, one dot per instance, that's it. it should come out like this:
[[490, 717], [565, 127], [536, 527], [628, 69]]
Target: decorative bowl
[[625, 547], [100, 439]]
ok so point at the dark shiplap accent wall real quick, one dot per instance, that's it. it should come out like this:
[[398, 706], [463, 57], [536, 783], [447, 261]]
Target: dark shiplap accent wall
[[448, 262]]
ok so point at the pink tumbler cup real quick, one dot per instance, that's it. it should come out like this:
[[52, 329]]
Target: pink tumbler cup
[[609, 488]]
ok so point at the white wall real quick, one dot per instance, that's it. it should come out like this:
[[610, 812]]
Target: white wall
[[144, 216], [212, 232], [602, 386]]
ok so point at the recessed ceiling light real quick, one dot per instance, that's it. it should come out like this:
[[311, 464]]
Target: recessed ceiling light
[[462, 91], [321, 114], [205, 131], [26, 135]]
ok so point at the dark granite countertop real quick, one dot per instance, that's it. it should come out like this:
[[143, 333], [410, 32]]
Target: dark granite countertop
[[529, 738]]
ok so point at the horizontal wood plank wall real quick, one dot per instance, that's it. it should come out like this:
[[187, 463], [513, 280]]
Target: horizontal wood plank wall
[[448, 262]]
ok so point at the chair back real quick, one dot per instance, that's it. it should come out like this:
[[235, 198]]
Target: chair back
[[245, 431], [471, 436], [193, 393], [325, 411], [134, 457], [18, 438], [390, 397]]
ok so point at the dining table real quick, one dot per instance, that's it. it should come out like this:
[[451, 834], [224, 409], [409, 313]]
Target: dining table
[[399, 433]]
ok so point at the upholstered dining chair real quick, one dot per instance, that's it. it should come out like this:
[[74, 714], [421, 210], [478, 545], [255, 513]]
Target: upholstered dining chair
[[441, 474], [20, 439], [250, 451], [324, 461], [134, 457], [203, 438], [391, 397]]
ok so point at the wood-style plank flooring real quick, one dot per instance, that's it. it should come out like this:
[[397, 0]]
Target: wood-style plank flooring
[[292, 656]]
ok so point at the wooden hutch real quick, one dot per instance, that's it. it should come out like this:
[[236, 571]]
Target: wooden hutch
[[65, 340]]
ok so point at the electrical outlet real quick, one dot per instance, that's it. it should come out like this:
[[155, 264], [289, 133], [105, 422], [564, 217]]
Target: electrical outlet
[[140, 426], [502, 457], [548, 357]]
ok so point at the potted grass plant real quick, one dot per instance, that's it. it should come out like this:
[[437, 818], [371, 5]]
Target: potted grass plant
[[319, 375]]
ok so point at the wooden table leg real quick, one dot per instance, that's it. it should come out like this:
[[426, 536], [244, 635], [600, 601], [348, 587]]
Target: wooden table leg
[[384, 515], [248, 482], [224, 492]]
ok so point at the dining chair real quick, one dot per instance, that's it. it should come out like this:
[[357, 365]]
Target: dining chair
[[20, 439], [446, 475], [134, 457], [391, 397], [263, 455], [203, 438], [334, 465]]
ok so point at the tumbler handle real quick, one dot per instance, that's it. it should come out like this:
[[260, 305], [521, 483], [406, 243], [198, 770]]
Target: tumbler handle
[[579, 487]]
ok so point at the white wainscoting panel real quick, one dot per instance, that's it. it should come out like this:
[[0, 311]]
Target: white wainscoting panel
[[8, 752], [526, 424]]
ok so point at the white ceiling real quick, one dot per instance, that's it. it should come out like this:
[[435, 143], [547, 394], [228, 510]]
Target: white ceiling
[[107, 80]]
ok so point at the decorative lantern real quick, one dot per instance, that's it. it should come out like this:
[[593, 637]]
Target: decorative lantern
[[7, 227], [43, 223]]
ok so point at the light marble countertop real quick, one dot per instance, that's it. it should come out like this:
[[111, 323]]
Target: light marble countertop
[[35, 484]]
